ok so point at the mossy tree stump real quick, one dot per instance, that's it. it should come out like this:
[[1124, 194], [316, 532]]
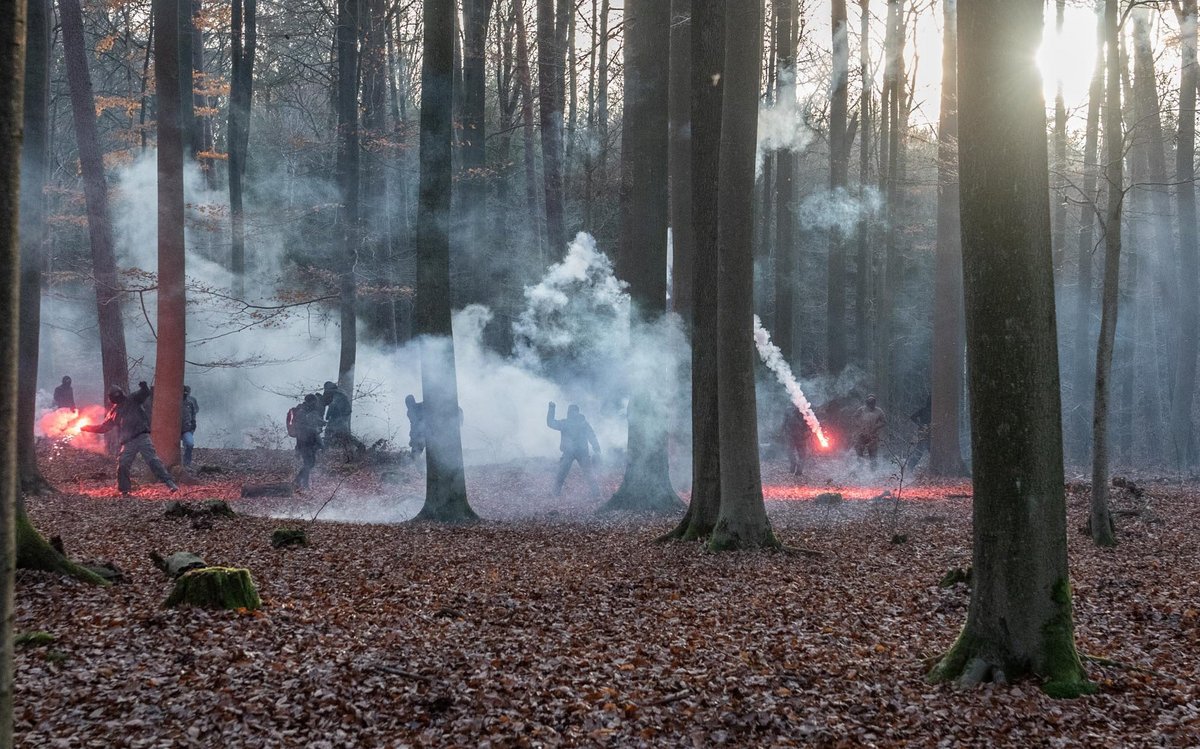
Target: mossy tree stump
[[228, 588]]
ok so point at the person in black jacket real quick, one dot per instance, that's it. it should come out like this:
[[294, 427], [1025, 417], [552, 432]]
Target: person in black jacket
[[308, 437], [337, 414], [577, 437], [64, 395], [133, 430], [796, 434]]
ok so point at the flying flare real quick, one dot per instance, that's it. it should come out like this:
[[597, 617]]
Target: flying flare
[[773, 358]]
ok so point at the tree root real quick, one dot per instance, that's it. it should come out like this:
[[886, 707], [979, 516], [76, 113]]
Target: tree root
[[1102, 661], [34, 552]]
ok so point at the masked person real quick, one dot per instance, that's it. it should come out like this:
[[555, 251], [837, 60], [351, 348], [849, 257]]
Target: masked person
[[133, 430], [64, 395], [796, 434], [187, 430], [308, 437], [577, 437], [337, 414], [869, 423], [416, 425]]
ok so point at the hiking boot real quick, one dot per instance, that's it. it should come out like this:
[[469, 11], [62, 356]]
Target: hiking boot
[[172, 486]]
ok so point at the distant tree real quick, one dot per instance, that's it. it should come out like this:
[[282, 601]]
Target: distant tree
[[862, 280], [34, 236], [642, 260], [707, 85], [474, 184], [12, 95], [1114, 155], [1058, 197], [244, 27], [113, 357], [839, 167], [1081, 369], [946, 380], [1189, 248], [445, 481], [742, 522], [1019, 621], [551, 39], [784, 179], [348, 183], [172, 302]]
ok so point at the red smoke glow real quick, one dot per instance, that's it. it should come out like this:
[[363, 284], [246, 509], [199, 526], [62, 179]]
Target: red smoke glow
[[64, 425]]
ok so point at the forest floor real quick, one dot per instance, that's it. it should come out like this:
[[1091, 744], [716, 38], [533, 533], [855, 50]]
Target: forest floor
[[545, 625]]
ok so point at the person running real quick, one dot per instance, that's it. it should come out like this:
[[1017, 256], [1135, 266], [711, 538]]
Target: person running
[[133, 430], [577, 437]]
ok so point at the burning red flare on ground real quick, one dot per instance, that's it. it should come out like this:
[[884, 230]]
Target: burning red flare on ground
[[65, 425]]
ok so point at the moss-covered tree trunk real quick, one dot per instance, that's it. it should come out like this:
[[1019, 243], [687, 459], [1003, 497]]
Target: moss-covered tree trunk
[[742, 522], [12, 77], [642, 260], [1019, 621], [445, 481], [708, 63]]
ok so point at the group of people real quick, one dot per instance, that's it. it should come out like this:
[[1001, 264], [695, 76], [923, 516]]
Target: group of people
[[867, 425], [328, 412]]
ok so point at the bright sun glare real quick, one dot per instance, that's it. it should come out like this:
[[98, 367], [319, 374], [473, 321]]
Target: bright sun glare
[[1069, 57]]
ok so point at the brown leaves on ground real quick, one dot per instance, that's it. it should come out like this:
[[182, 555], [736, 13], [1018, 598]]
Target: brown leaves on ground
[[547, 626]]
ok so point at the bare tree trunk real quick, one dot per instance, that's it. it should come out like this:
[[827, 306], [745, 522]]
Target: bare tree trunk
[[945, 454], [445, 482], [862, 281], [1114, 154], [683, 230], [839, 166], [241, 85], [1082, 373], [1058, 196], [12, 94], [348, 183], [742, 522], [602, 89], [1189, 254], [474, 154], [894, 79], [642, 260], [708, 64], [523, 75], [34, 236], [550, 110], [113, 357], [172, 301], [1019, 621], [785, 175]]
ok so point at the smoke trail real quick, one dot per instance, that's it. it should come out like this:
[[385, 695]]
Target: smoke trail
[[773, 358]]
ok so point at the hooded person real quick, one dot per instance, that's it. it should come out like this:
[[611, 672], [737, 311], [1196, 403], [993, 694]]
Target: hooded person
[[869, 423], [308, 437], [64, 395], [416, 425], [128, 417], [187, 428], [337, 413], [796, 434], [577, 437]]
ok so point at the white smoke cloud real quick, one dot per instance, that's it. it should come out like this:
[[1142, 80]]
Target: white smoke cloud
[[839, 209], [773, 358]]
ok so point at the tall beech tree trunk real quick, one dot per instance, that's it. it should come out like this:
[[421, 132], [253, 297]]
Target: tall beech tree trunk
[[1019, 621], [12, 94], [1114, 155], [683, 230], [348, 183], [550, 111], [241, 85], [525, 78], [445, 482], [1189, 253], [707, 67], [862, 280], [474, 183], [742, 522], [642, 260], [893, 254], [114, 361], [945, 454], [1081, 371], [34, 236], [172, 301], [839, 166]]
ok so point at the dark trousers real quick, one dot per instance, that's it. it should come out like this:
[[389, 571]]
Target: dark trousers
[[867, 446], [139, 445], [797, 453], [585, 465], [308, 460]]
